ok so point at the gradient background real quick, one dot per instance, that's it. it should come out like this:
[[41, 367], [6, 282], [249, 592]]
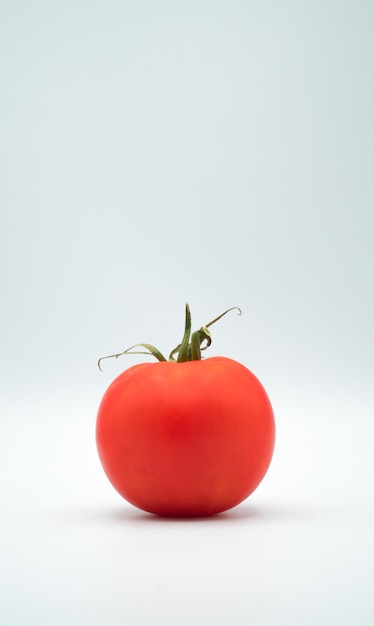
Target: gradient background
[[216, 152]]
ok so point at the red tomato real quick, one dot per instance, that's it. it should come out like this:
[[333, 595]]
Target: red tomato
[[186, 439]]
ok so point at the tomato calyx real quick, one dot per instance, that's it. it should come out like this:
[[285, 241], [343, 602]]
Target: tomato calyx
[[190, 347]]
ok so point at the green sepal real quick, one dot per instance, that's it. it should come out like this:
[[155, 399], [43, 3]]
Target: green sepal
[[188, 350], [151, 350]]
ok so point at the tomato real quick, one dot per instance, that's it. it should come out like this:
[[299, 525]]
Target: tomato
[[185, 438]]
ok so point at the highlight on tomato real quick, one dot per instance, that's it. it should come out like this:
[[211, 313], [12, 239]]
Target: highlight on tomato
[[185, 436]]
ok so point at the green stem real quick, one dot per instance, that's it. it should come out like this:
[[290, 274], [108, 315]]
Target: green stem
[[188, 350], [183, 354]]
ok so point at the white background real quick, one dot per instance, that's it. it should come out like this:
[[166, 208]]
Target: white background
[[215, 152]]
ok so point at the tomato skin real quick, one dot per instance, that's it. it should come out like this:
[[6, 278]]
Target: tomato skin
[[186, 439]]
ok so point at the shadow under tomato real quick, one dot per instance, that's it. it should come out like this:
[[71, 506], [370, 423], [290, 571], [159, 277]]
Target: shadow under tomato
[[246, 513], [237, 514], [131, 515]]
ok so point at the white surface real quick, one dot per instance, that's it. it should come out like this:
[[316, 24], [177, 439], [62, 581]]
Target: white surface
[[300, 550], [215, 152]]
